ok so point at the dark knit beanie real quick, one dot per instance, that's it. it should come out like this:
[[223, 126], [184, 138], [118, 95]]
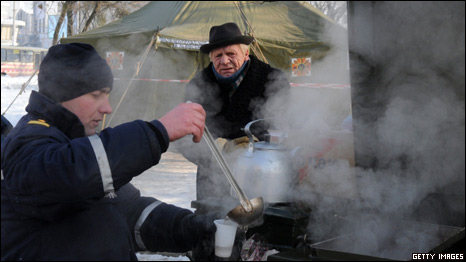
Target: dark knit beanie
[[72, 70]]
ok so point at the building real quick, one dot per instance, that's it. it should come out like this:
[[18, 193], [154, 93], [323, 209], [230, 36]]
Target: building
[[45, 19], [34, 22], [11, 25]]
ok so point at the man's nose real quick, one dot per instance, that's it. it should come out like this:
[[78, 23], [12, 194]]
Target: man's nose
[[106, 108], [225, 60]]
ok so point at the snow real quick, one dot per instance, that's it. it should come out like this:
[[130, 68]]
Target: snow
[[11, 87], [173, 180]]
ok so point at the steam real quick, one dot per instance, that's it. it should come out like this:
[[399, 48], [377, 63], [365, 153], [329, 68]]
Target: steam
[[418, 139], [417, 132], [150, 95]]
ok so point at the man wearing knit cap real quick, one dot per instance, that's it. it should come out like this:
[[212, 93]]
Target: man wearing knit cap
[[65, 189], [233, 90]]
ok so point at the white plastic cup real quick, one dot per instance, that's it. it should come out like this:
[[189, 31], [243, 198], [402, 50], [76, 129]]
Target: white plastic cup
[[224, 237]]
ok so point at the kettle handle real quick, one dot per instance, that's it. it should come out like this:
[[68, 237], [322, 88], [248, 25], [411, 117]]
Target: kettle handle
[[247, 130]]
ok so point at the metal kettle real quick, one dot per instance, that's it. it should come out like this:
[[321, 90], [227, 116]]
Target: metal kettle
[[266, 168]]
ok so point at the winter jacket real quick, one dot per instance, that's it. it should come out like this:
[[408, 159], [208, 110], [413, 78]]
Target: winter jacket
[[6, 127], [228, 114], [66, 196]]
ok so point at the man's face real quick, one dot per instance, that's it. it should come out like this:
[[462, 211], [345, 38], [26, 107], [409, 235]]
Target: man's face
[[90, 108], [229, 59]]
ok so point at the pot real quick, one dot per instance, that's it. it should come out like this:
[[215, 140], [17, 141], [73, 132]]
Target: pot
[[266, 168]]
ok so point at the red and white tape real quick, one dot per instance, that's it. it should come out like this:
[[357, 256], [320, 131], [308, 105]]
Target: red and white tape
[[154, 80], [321, 85], [312, 85]]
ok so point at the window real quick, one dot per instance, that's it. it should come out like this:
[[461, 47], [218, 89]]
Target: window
[[26, 56], [6, 33], [3, 55], [12, 55]]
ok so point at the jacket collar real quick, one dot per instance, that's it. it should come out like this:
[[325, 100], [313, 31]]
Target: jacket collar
[[55, 114]]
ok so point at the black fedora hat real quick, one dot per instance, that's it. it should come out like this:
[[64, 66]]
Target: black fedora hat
[[224, 35]]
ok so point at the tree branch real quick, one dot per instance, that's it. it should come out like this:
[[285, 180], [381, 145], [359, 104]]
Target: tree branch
[[92, 16]]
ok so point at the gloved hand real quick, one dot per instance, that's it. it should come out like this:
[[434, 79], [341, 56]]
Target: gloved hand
[[198, 231], [237, 143], [205, 250], [221, 142]]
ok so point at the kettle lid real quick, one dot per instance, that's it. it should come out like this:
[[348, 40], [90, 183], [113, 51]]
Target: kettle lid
[[270, 143], [266, 145]]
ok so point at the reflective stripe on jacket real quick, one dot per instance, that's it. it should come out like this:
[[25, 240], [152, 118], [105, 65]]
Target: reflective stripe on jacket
[[66, 196]]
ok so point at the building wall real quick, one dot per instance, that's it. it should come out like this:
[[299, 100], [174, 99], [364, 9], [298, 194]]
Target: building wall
[[32, 21]]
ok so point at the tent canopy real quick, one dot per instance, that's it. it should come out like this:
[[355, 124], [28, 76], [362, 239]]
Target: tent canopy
[[160, 43], [281, 28]]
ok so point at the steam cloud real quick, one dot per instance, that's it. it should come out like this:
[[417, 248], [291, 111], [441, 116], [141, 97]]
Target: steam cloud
[[417, 137], [419, 134]]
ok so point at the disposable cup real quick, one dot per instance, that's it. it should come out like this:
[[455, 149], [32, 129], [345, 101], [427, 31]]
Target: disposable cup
[[224, 237]]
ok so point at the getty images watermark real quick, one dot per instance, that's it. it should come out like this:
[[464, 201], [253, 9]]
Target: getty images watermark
[[428, 256]]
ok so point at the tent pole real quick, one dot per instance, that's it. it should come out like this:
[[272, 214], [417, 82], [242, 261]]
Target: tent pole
[[23, 87], [255, 44], [138, 67]]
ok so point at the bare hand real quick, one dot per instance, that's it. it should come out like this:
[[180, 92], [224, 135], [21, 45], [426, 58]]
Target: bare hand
[[185, 119]]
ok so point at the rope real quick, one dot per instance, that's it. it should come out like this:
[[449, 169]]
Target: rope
[[138, 67], [255, 45], [23, 87]]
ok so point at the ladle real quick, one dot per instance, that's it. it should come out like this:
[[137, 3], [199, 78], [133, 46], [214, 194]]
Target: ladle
[[248, 211]]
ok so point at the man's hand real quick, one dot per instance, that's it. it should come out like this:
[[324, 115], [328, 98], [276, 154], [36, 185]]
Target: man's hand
[[185, 119]]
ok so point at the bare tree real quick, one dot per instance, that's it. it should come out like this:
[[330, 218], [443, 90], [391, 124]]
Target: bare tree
[[70, 17], [65, 6], [336, 10], [90, 14], [97, 13], [95, 10]]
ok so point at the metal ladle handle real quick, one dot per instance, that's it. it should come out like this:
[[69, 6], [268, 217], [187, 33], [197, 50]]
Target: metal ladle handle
[[226, 170]]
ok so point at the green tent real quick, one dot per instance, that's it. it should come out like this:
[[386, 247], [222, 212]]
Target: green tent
[[154, 51]]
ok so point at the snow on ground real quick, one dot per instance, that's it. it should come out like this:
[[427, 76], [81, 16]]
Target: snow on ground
[[173, 180], [11, 87]]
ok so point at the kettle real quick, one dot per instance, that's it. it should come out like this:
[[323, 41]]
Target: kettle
[[266, 168]]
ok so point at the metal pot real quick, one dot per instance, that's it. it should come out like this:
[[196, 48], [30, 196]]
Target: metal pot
[[266, 168]]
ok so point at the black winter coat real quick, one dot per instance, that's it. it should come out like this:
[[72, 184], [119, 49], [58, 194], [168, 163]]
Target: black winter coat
[[226, 116], [58, 199]]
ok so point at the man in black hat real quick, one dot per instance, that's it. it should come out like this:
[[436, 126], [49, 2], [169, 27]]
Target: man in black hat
[[65, 189], [233, 90]]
